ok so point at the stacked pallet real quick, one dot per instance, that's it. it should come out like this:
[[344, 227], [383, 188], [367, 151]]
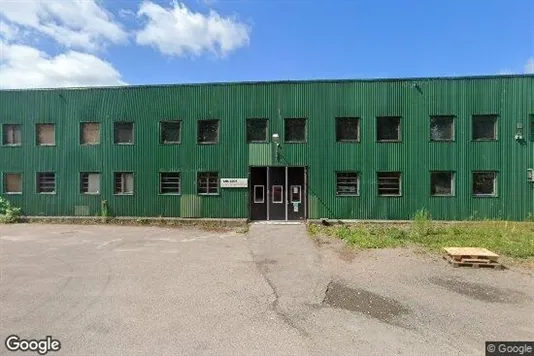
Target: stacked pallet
[[471, 256]]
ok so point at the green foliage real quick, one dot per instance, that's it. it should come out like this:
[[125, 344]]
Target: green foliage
[[422, 223], [530, 217], [8, 212], [511, 239]]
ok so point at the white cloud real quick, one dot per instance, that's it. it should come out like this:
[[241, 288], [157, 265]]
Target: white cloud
[[7, 31], [529, 66], [23, 66], [179, 31], [81, 24]]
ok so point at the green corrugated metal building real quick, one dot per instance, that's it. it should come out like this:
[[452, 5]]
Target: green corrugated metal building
[[354, 149]]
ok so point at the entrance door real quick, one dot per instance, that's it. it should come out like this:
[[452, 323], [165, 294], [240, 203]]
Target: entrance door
[[277, 193], [296, 197], [258, 193]]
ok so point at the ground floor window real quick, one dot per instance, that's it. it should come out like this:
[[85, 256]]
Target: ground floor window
[[169, 183], [12, 183], [441, 183], [484, 183], [389, 183], [46, 182], [90, 183], [347, 183], [208, 183], [124, 183]]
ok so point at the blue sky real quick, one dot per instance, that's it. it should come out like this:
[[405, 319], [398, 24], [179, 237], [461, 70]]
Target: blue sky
[[91, 42]]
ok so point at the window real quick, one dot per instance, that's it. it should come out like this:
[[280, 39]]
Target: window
[[389, 183], [90, 183], [347, 129], [208, 183], [278, 194], [124, 133], [12, 134], [170, 132], [46, 135], [90, 133], [295, 130], [46, 183], [208, 131], [442, 128], [257, 130], [441, 183], [259, 194], [169, 183], [347, 183], [124, 183], [484, 127], [388, 129], [12, 183], [484, 183]]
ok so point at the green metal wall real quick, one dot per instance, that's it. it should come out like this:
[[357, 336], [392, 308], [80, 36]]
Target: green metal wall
[[512, 98]]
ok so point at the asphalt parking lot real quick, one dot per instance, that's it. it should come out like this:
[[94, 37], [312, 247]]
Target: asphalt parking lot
[[119, 290]]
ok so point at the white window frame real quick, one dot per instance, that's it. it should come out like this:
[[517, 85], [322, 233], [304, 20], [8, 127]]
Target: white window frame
[[281, 196]]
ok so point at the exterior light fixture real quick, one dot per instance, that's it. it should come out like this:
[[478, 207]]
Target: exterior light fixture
[[276, 141]]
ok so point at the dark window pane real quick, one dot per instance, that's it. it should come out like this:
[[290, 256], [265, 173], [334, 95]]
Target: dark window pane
[[484, 127], [170, 131], [208, 183], [347, 129], [484, 183], [46, 182], [295, 130], [256, 130], [442, 128], [278, 194], [389, 183], [441, 183], [124, 132], [388, 129], [347, 183], [208, 131], [170, 183]]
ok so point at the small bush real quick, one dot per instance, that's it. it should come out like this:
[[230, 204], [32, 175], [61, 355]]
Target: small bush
[[8, 212]]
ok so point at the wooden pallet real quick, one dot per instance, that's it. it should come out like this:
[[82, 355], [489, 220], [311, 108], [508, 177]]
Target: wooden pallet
[[472, 257]]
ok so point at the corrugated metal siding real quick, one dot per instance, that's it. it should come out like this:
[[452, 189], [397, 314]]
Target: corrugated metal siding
[[512, 98]]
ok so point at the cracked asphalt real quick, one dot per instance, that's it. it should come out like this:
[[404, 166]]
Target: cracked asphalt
[[118, 290]]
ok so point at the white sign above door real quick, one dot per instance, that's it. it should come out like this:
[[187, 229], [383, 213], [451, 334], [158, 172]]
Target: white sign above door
[[234, 182]]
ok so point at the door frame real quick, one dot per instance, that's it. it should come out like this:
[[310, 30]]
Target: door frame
[[268, 192]]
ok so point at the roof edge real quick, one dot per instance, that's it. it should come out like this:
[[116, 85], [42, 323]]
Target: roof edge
[[275, 82]]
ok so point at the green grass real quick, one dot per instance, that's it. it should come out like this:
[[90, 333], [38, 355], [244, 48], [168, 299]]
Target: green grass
[[510, 239]]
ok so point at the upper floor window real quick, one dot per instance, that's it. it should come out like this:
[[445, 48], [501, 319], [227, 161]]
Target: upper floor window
[[257, 130], [484, 127], [46, 134], [388, 129], [295, 130], [442, 128], [12, 134], [347, 129], [124, 133], [170, 132], [90, 133], [208, 131]]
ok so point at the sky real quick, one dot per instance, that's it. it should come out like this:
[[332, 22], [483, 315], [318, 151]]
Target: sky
[[66, 43]]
